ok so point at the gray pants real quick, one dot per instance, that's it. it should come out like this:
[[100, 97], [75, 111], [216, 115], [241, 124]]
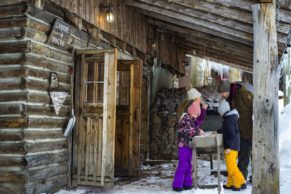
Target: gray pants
[[244, 156]]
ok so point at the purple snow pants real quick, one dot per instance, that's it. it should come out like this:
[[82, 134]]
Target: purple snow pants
[[183, 175]]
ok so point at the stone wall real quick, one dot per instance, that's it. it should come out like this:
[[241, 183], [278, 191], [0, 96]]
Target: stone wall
[[163, 121]]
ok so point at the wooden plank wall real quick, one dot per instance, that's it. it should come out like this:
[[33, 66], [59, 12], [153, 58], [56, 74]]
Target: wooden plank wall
[[129, 25]]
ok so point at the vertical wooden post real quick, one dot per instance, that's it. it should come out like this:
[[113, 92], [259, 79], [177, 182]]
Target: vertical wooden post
[[266, 84], [109, 116], [135, 117], [287, 78]]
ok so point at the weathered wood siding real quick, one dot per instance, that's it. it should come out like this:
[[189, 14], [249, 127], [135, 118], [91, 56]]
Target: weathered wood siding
[[129, 25], [132, 27], [265, 157]]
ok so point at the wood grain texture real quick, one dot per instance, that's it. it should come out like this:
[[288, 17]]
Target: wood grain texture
[[265, 133]]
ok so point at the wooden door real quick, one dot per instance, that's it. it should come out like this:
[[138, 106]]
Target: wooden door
[[128, 118], [95, 104]]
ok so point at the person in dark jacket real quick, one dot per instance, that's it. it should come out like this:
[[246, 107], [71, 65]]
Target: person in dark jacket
[[231, 142], [240, 97]]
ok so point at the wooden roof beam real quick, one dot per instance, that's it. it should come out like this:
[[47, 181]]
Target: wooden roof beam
[[196, 21], [212, 52], [191, 30], [199, 36], [198, 24], [246, 5], [225, 61], [173, 20], [246, 54], [240, 10], [202, 15]]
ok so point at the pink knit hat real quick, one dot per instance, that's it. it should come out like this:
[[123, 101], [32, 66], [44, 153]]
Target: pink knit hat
[[194, 109]]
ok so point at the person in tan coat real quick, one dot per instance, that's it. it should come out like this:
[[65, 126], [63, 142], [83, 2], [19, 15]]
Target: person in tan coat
[[240, 97]]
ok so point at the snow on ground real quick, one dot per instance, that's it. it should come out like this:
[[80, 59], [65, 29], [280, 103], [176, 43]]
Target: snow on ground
[[158, 178]]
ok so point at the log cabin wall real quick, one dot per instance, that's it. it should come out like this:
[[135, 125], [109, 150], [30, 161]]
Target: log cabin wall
[[33, 151], [34, 156]]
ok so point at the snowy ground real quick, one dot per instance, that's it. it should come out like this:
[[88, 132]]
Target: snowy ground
[[158, 178]]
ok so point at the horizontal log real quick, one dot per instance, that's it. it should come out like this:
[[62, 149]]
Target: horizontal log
[[11, 187], [11, 34], [51, 52], [11, 135], [13, 122], [34, 34], [47, 185], [33, 147], [43, 85], [12, 83], [11, 109], [12, 72], [14, 47], [13, 96], [47, 122], [47, 63], [13, 22], [10, 161], [46, 109], [12, 148], [44, 98], [13, 10], [16, 177], [37, 25], [37, 134], [44, 74], [40, 14], [47, 171], [10, 2], [11, 58], [46, 158]]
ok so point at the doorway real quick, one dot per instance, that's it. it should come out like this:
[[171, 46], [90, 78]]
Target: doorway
[[128, 118]]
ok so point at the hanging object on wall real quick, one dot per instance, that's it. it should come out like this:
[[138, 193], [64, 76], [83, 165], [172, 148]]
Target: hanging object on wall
[[53, 81], [58, 98]]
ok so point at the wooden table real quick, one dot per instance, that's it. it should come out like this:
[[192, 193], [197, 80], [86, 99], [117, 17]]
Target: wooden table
[[207, 144]]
